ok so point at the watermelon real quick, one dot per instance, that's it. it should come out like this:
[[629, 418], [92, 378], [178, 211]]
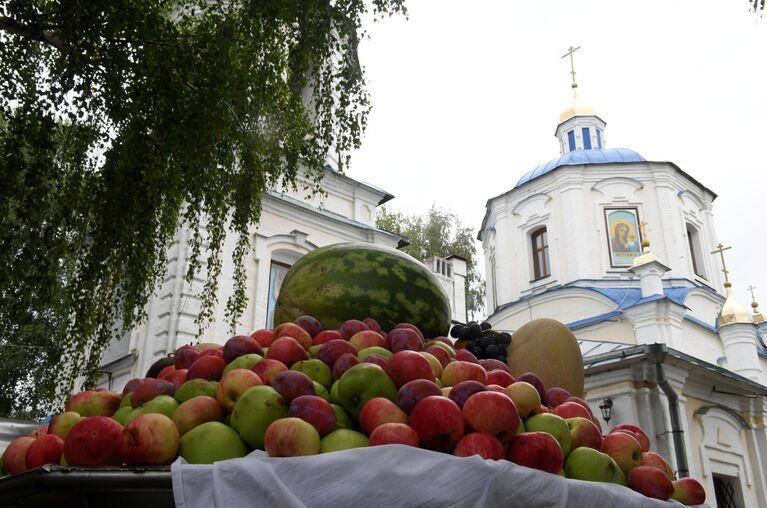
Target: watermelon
[[356, 281]]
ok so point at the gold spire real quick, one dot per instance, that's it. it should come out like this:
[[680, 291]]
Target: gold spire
[[732, 310], [756, 317], [647, 256], [574, 86], [577, 109]]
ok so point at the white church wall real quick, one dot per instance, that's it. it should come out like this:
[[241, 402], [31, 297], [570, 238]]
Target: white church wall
[[618, 331], [700, 343], [703, 305]]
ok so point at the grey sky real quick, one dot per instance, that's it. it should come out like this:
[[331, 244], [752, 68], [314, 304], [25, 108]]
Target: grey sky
[[466, 97]]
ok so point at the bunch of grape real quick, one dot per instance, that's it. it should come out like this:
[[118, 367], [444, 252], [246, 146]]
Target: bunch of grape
[[482, 341]]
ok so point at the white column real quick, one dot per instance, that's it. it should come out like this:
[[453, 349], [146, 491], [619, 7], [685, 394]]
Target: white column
[[739, 340]]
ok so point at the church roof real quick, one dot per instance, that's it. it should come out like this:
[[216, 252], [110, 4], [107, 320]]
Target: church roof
[[578, 157]]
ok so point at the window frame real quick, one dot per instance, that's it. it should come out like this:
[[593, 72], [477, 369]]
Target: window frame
[[540, 272], [586, 133]]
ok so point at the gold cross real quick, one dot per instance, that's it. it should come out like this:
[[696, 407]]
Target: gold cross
[[642, 226], [751, 289], [569, 53], [720, 249]]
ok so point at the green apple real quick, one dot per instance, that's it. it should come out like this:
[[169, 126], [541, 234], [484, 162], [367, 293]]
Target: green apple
[[361, 383], [313, 350], [316, 369], [126, 400], [122, 414], [343, 420], [521, 428], [257, 408], [343, 439], [552, 424], [439, 383], [588, 464], [441, 344], [320, 391], [334, 394], [163, 404], [243, 362], [211, 442], [195, 388], [373, 350]]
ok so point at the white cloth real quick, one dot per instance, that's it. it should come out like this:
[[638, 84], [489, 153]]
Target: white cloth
[[387, 476]]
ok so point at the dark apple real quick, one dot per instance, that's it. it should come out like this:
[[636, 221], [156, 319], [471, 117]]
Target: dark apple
[[241, 345], [314, 410], [533, 379], [310, 324], [463, 355], [413, 391], [148, 389], [377, 359], [287, 350], [334, 349], [402, 339], [185, 356], [209, 367], [344, 363], [291, 384], [465, 389], [263, 337], [326, 336], [556, 396], [373, 325], [352, 326]]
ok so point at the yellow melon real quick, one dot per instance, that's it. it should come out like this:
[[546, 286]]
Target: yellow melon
[[549, 349]]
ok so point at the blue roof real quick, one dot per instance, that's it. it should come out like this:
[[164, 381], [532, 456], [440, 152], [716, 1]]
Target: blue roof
[[576, 157]]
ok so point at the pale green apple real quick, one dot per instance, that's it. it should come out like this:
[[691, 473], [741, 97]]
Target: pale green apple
[[194, 388], [373, 350], [257, 408], [317, 370], [163, 404], [211, 442], [243, 362], [320, 391], [334, 393], [343, 421], [313, 350], [361, 383], [126, 400], [588, 464], [122, 414], [343, 439], [552, 424]]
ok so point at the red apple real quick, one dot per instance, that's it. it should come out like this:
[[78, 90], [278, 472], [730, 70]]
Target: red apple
[[131, 385], [496, 388], [287, 350], [413, 391], [380, 410], [185, 356], [39, 431], [463, 355], [373, 325], [537, 450], [150, 439], [326, 336], [458, 371], [377, 359], [264, 337], [314, 410], [571, 410], [638, 433], [440, 354], [267, 369], [438, 422], [296, 332], [402, 339], [334, 349], [407, 366], [62, 423], [310, 324], [344, 362], [465, 389], [410, 327], [688, 491], [582, 403], [233, 384], [209, 367], [624, 449], [44, 450], [241, 345], [212, 351], [500, 378], [651, 482], [493, 413], [533, 379], [478, 443], [94, 441], [556, 396], [196, 411], [94, 403], [291, 437], [166, 372], [394, 433], [655, 460], [291, 384], [367, 338], [583, 432], [148, 389], [15, 456], [178, 377], [352, 326], [493, 364]]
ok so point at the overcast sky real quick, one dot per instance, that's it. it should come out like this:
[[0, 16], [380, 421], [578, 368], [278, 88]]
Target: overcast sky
[[467, 94]]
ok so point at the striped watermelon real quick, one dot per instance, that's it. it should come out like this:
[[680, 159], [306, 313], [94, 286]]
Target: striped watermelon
[[354, 281]]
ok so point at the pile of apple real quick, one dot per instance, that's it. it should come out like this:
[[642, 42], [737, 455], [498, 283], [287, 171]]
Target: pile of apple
[[301, 390]]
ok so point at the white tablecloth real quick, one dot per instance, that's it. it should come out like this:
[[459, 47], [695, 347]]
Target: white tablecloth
[[387, 476]]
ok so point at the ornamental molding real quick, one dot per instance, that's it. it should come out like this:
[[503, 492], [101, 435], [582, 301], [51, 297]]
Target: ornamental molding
[[615, 181], [536, 200]]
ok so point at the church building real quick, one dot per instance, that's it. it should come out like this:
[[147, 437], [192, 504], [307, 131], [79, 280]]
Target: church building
[[619, 248]]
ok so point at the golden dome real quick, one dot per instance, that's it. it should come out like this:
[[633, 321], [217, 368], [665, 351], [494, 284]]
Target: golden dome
[[732, 310], [577, 110]]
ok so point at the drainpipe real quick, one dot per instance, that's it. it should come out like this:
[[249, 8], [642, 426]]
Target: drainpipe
[[657, 354]]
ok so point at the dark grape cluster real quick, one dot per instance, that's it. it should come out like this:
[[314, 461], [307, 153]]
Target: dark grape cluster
[[482, 341]]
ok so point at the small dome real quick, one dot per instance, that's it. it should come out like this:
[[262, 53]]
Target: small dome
[[577, 110], [732, 310], [577, 157]]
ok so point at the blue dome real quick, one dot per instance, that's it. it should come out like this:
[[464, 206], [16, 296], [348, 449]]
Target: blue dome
[[576, 157]]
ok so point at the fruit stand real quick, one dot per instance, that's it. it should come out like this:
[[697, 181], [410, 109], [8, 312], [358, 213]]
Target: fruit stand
[[328, 410]]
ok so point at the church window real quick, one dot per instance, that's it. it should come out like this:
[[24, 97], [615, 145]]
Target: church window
[[599, 138], [571, 139], [586, 139], [696, 254], [540, 248], [277, 273]]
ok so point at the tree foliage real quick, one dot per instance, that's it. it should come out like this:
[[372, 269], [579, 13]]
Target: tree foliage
[[439, 233], [122, 119]]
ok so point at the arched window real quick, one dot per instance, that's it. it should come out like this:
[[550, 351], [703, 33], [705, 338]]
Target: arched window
[[540, 247], [696, 254]]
